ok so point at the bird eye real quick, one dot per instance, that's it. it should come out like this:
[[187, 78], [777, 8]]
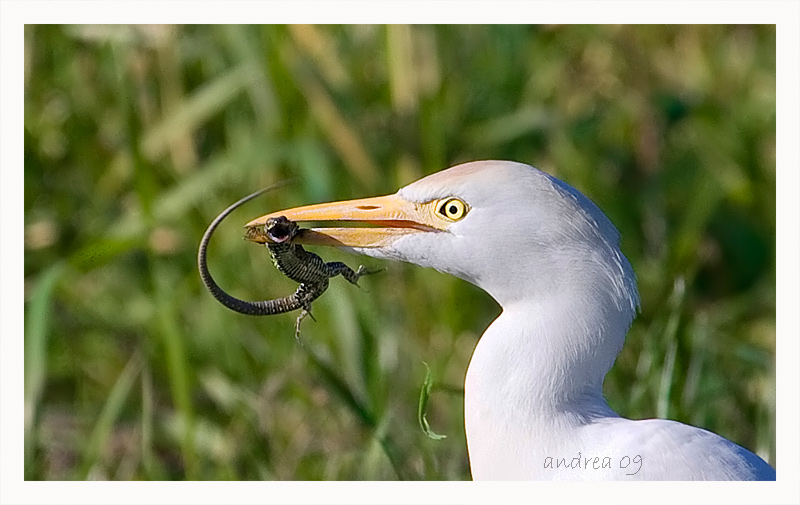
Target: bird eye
[[453, 209]]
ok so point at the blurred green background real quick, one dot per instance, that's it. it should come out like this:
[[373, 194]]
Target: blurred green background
[[136, 137]]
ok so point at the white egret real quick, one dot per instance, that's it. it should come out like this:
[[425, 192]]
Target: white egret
[[533, 402]]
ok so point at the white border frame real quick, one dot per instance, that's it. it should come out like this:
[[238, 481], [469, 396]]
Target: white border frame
[[13, 16]]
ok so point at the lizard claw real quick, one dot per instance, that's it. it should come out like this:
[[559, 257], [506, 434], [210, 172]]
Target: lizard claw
[[362, 270]]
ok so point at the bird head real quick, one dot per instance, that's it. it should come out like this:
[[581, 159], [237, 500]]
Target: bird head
[[506, 227]]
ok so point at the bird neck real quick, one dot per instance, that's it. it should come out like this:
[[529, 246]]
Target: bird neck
[[550, 354], [547, 356], [537, 372], [561, 329]]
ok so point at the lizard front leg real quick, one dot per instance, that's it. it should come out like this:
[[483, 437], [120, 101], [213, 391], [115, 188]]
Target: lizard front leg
[[337, 267]]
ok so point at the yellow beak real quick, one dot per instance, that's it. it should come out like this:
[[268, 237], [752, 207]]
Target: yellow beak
[[391, 217]]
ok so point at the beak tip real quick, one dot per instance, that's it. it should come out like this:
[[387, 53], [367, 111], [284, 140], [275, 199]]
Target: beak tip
[[393, 216]]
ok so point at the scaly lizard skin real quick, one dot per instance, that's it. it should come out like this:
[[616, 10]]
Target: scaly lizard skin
[[291, 259]]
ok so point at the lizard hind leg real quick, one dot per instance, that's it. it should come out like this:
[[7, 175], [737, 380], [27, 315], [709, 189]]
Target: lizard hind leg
[[306, 312]]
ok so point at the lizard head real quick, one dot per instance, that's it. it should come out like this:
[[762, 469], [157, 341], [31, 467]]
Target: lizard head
[[280, 229]]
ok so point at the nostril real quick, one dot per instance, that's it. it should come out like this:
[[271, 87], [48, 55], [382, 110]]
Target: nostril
[[367, 207]]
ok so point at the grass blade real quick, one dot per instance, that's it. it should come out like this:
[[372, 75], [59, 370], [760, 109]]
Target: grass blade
[[111, 410], [178, 368], [36, 326], [340, 387], [424, 397]]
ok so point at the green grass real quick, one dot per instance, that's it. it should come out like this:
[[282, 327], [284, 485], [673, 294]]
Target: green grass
[[136, 138]]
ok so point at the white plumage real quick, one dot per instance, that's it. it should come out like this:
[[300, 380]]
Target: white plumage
[[534, 407]]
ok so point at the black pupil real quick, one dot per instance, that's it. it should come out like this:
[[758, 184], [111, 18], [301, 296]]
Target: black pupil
[[452, 209]]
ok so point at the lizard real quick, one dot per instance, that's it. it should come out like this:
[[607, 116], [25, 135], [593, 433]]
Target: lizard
[[291, 259]]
